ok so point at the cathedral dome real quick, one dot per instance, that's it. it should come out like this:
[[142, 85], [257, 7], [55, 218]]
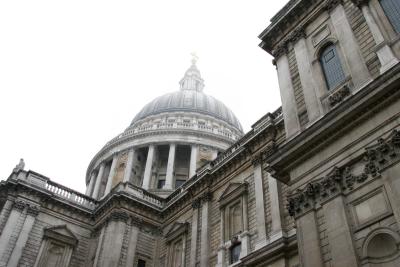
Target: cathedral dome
[[189, 101], [166, 142]]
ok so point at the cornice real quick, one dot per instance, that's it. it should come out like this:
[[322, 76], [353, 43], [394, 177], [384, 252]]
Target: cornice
[[353, 110], [341, 180]]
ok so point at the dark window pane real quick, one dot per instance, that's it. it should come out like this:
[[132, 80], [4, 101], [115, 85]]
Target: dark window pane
[[235, 252], [392, 10], [331, 67], [179, 183], [160, 184], [141, 263]]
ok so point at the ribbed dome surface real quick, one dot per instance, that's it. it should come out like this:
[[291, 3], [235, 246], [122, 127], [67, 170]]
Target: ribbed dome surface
[[189, 101]]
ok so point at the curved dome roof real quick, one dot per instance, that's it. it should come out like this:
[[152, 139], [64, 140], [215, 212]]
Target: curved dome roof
[[190, 99]]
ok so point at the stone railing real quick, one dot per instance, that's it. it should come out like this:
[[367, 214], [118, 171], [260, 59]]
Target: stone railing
[[141, 194], [70, 195]]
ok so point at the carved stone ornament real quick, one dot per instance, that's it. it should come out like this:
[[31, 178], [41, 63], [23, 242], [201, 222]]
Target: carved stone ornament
[[20, 205], [118, 216], [338, 95], [33, 210], [377, 157], [297, 34], [196, 203], [280, 50], [207, 196]]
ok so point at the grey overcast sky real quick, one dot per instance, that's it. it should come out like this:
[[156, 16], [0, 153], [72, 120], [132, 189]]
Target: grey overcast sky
[[74, 73]]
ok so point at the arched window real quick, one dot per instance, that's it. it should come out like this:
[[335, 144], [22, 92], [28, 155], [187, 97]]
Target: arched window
[[392, 11], [331, 66]]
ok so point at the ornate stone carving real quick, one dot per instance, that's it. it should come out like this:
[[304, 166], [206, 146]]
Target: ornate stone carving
[[338, 95], [377, 157], [280, 50], [20, 205], [196, 203], [207, 196], [33, 210], [118, 216], [20, 166], [297, 34]]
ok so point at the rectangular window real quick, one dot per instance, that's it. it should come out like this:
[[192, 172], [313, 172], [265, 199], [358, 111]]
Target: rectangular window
[[392, 11], [160, 184], [141, 263]]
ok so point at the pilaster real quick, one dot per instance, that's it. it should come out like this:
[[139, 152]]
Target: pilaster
[[205, 230], [260, 209], [289, 107], [310, 91], [351, 50], [195, 224], [92, 182]]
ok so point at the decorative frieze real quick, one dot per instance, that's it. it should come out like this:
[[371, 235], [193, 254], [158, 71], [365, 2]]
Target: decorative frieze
[[377, 157], [339, 95]]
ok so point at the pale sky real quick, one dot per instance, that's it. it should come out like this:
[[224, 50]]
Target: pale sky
[[74, 73]]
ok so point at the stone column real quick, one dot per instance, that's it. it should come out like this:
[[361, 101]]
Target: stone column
[[358, 70], [384, 52], [195, 223], [92, 181], [11, 223], [205, 233], [310, 91], [260, 210], [99, 246], [111, 174], [245, 236], [98, 181], [274, 195], [289, 107], [32, 212], [148, 168], [169, 179], [221, 250], [308, 240], [193, 160], [3, 214], [113, 238], [129, 165], [130, 257], [339, 233]]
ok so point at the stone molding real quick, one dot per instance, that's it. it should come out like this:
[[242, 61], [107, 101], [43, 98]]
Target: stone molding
[[118, 216], [339, 95], [360, 3], [377, 157], [332, 4]]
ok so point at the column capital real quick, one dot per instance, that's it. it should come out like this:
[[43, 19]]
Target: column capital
[[196, 203], [207, 196], [33, 210], [118, 216], [280, 50], [297, 34], [20, 205], [257, 159]]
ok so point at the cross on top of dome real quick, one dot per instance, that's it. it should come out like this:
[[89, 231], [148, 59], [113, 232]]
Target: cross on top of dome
[[192, 79]]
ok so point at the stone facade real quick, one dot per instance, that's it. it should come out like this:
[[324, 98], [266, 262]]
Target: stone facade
[[314, 183]]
